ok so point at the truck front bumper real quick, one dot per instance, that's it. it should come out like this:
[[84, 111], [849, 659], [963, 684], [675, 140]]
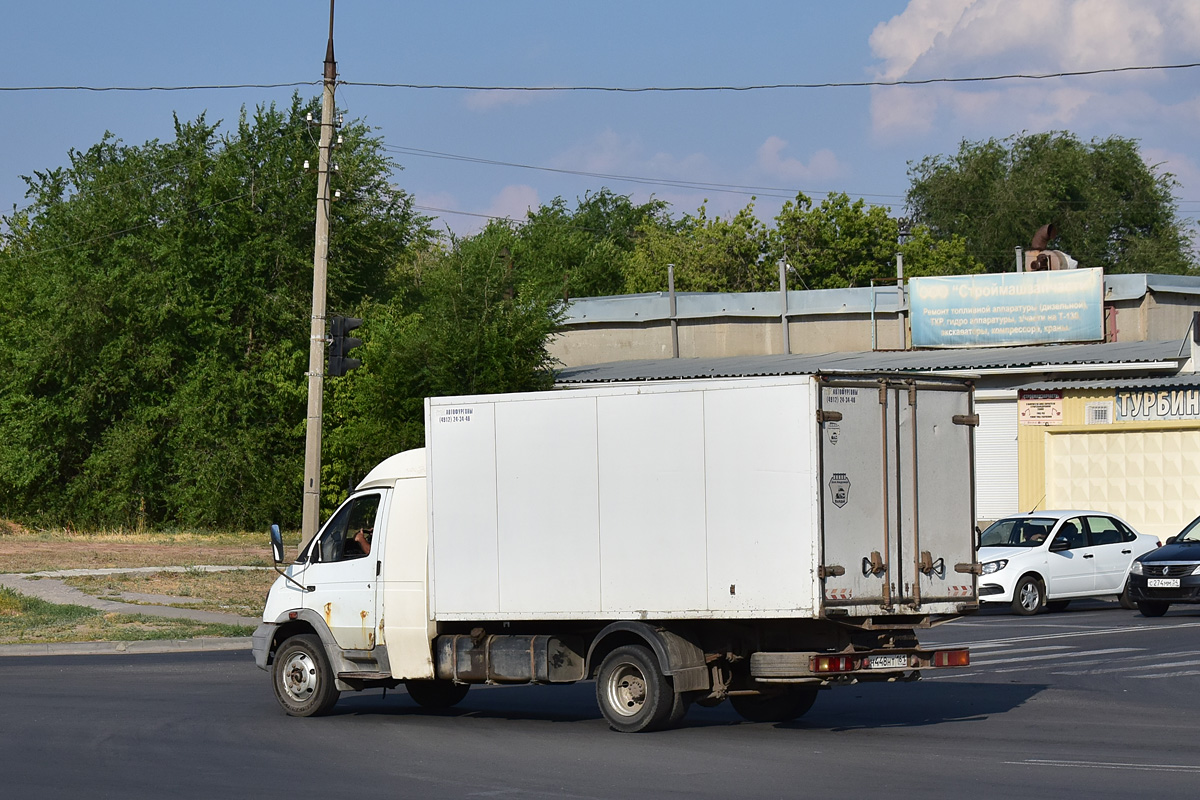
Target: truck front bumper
[[261, 644]]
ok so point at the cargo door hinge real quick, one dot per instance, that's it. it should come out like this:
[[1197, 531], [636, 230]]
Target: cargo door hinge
[[828, 416], [830, 571], [970, 569], [966, 419]]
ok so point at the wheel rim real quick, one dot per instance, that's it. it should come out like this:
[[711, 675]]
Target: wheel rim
[[626, 690], [1030, 596], [300, 676]]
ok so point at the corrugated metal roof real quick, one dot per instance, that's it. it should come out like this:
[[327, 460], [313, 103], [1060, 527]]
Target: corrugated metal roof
[[966, 360], [1182, 379]]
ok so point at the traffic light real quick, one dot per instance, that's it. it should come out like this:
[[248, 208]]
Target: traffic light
[[341, 344]]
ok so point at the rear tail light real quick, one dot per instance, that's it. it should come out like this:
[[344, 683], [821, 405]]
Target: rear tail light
[[831, 664], [952, 658]]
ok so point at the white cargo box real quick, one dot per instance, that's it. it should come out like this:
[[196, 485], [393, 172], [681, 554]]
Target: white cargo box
[[699, 499]]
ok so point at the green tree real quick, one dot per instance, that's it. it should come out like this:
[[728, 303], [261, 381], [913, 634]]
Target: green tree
[[154, 305], [584, 252], [837, 244], [469, 319], [1111, 209], [710, 254]]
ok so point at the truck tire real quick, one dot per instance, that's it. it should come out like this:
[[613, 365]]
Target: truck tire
[[1151, 608], [1029, 596], [784, 706], [436, 694], [633, 694], [304, 683]]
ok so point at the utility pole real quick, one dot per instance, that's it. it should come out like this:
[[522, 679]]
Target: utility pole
[[316, 343]]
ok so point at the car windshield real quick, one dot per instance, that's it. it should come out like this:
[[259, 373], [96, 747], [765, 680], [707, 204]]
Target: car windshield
[[1191, 533], [1017, 532]]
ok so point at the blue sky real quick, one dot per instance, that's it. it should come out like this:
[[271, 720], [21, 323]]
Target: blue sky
[[856, 140]]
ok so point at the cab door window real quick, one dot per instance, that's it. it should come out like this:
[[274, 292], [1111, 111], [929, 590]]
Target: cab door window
[[341, 540]]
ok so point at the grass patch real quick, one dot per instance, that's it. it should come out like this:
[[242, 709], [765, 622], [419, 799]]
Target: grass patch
[[28, 620], [239, 591]]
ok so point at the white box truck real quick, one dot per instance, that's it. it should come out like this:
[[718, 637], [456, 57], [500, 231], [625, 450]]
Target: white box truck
[[751, 539]]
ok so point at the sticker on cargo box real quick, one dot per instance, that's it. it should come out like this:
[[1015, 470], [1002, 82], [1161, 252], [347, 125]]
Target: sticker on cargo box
[[455, 415], [840, 394], [834, 430], [839, 489]]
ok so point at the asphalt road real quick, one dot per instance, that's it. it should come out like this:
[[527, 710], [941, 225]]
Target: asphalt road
[[1095, 702]]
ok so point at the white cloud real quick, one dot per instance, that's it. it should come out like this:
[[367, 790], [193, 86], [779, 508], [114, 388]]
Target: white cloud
[[963, 38], [513, 202], [821, 166]]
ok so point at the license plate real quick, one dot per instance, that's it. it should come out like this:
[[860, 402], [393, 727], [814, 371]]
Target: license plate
[[885, 662], [1162, 583]]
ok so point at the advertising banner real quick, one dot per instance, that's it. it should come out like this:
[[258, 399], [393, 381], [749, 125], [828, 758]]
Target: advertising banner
[[1011, 308]]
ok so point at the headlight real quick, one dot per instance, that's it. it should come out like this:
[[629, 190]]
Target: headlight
[[1196, 571], [1136, 569], [994, 566]]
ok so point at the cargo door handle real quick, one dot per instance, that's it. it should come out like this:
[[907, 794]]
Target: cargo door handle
[[873, 565], [930, 567]]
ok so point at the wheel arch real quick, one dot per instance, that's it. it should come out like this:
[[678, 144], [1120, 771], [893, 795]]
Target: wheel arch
[[678, 657], [305, 620]]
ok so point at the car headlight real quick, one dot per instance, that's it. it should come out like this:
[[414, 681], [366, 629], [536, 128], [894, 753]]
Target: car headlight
[[1196, 571], [994, 566], [1136, 569]]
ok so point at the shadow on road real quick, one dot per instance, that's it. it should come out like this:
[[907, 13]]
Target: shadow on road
[[839, 709]]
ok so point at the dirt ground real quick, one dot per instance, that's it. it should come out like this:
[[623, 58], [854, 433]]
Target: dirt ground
[[19, 553]]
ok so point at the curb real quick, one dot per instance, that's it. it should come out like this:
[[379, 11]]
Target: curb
[[127, 648]]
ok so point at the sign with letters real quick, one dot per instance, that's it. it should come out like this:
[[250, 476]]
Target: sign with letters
[[1011, 308]]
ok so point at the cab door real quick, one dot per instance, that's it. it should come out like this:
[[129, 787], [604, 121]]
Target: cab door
[[344, 574]]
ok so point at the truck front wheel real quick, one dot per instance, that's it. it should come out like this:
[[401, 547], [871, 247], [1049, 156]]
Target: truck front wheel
[[303, 680], [784, 706], [633, 693]]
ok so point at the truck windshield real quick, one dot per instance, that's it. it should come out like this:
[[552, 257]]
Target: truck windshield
[[1017, 532]]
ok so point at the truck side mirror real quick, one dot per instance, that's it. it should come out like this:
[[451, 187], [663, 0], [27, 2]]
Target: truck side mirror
[[276, 544]]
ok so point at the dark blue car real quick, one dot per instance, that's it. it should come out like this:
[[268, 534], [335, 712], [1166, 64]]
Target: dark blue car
[[1170, 574]]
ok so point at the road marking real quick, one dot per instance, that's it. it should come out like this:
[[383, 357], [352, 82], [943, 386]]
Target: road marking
[[1130, 668], [1048, 656], [1170, 674], [1096, 632], [1040, 762], [1004, 650]]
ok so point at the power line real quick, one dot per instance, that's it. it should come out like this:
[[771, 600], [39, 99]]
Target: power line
[[620, 89], [769, 86]]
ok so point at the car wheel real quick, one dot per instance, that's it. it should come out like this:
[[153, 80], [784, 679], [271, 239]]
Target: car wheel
[[1028, 596], [1125, 600], [1054, 606], [1152, 609]]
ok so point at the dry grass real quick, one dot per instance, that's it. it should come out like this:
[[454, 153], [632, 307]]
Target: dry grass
[[26, 550], [239, 591], [28, 620]]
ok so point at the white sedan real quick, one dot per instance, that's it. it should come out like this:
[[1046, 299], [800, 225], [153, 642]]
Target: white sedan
[[1047, 558]]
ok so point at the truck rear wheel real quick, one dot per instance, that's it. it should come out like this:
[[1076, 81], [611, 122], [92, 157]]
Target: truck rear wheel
[[436, 694], [303, 680], [633, 693], [783, 706]]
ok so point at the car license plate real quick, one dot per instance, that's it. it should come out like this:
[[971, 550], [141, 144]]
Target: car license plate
[[885, 662], [1162, 583]]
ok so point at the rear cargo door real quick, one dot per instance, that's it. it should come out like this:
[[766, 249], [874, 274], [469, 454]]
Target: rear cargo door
[[897, 489]]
